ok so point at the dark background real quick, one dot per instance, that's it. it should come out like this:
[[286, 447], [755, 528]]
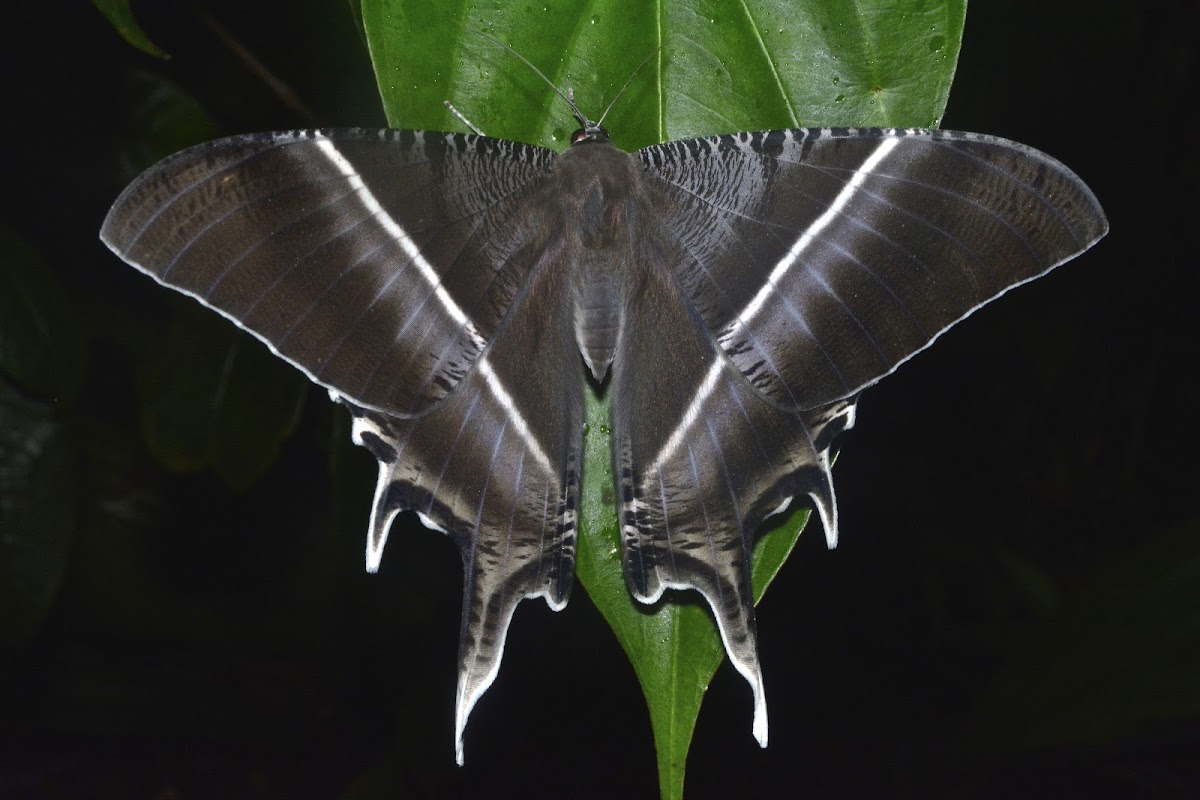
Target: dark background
[[1014, 608]]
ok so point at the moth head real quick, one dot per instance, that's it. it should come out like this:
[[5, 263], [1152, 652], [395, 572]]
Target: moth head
[[591, 134]]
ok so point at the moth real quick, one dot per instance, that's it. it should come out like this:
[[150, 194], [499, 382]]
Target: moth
[[733, 294]]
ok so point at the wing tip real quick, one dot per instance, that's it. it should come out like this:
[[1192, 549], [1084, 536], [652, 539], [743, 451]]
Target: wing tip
[[473, 683], [760, 714], [375, 552], [825, 501], [381, 519], [556, 602], [752, 672], [465, 703], [459, 750]]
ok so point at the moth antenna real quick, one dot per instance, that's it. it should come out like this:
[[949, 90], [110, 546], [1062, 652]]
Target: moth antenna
[[459, 116], [568, 96], [629, 80]]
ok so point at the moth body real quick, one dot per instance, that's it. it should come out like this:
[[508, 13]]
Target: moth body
[[601, 193]]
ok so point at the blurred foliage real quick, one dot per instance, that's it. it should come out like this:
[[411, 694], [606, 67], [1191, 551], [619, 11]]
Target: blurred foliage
[[42, 344], [211, 396], [121, 17]]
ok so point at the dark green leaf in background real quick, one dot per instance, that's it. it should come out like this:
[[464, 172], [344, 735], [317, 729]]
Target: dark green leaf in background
[[42, 339], [212, 396], [161, 119], [121, 17]]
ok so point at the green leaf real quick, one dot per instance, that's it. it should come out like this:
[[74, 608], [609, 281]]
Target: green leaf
[[715, 67], [710, 67], [159, 119], [211, 396], [121, 17], [42, 343]]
